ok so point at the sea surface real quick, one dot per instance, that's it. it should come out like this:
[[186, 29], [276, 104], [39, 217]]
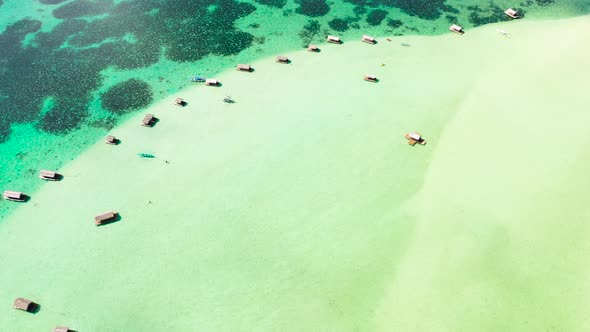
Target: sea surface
[[71, 70], [300, 207]]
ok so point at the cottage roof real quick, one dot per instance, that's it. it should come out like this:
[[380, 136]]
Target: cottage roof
[[22, 304], [48, 174], [61, 329], [13, 194]]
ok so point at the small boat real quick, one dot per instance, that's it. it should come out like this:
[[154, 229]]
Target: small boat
[[371, 78], [503, 33], [197, 79], [146, 155], [228, 100]]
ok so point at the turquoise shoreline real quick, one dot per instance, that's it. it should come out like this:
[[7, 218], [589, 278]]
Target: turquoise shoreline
[[29, 150]]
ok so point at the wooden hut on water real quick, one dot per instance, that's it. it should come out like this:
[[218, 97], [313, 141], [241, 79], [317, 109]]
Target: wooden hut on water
[[49, 175], [282, 59], [25, 305], [512, 13], [244, 67], [179, 102], [111, 140], [62, 329], [105, 218], [211, 82], [333, 39], [371, 78], [368, 39], [14, 196], [148, 120], [415, 137], [313, 48], [456, 29]]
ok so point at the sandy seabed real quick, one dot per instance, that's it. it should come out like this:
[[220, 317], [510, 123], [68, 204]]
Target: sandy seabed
[[302, 207]]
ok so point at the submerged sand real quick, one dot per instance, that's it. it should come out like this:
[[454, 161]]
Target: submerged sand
[[301, 206]]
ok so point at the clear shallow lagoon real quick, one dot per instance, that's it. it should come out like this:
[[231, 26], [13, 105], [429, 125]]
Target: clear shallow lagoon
[[301, 206], [58, 58]]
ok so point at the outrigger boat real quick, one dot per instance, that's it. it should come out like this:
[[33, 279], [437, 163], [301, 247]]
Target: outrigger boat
[[146, 155], [197, 79]]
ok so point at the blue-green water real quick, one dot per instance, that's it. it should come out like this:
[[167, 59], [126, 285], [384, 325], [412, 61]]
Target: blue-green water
[[71, 70]]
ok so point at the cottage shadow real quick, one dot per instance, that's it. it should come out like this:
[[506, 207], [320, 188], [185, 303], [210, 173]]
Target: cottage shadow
[[34, 308]]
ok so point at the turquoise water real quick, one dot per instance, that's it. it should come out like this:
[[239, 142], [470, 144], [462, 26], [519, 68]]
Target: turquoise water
[[71, 70]]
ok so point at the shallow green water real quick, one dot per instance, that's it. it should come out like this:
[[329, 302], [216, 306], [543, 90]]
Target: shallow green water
[[59, 58]]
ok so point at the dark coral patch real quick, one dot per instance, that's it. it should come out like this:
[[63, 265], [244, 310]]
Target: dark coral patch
[[376, 16], [59, 34], [51, 2], [310, 30], [23, 27], [425, 9], [273, 3], [66, 115], [479, 16], [339, 24], [127, 96], [4, 130], [65, 63], [81, 8], [312, 8], [359, 10], [394, 23]]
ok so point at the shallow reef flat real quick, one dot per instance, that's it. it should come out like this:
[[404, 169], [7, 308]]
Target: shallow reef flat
[[301, 206], [72, 70]]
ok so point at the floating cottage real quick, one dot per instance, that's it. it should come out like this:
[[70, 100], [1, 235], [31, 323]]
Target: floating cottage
[[512, 13], [243, 67], [456, 29], [105, 218], [111, 140], [333, 39], [25, 305], [148, 120], [14, 196], [370, 78], [211, 82], [414, 138], [313, 48], [62, 329], [283, 59], [49, 175], [179, 102], [368, 39]]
